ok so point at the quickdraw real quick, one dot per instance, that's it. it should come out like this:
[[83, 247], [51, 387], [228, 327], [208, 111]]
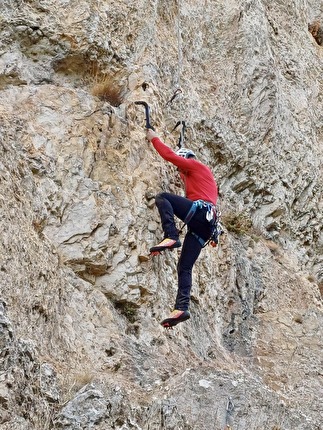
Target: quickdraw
[[176, 93]]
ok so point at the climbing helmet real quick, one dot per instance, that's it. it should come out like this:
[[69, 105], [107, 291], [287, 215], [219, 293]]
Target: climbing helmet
[[186, 153]]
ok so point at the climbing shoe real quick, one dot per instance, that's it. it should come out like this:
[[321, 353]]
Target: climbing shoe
[[166, 244], [176, 317]]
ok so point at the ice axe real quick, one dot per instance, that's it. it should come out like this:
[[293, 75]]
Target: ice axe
[[182, 132], [148, 125]]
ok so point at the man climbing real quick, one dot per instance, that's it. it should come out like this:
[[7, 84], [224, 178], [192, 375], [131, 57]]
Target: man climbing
[[196, 209]]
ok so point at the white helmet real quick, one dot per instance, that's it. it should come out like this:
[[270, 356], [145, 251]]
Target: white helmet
[[186, 153]]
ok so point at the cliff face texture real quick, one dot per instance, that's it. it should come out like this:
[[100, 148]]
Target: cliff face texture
[[81, 346]]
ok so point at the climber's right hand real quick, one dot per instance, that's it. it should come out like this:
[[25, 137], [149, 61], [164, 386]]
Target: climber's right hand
[[150, 134]]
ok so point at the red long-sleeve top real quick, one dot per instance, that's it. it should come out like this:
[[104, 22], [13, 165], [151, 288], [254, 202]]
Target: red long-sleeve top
[[198, 179]]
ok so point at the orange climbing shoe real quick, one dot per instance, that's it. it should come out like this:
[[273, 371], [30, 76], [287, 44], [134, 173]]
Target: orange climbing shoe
[[176, 317], [166, 244]]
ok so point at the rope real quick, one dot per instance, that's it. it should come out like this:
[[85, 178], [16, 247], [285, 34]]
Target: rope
[[179, 45], [179, 56], [179, 71]]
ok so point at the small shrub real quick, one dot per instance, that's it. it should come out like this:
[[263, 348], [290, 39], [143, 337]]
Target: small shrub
[[238, 223], [127, 309]]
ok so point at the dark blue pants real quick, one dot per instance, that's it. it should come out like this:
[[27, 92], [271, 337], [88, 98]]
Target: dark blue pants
[[169, 205]]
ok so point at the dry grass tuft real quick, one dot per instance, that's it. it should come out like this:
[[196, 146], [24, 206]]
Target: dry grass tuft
[[83, 379], [107, 89]]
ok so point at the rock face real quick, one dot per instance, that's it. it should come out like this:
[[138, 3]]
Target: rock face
[[81, 344]]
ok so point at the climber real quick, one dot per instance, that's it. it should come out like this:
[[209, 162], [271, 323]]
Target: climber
[[197, 210]]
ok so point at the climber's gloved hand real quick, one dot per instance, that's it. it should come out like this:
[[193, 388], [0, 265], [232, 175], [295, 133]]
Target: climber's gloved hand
[[150, 134]]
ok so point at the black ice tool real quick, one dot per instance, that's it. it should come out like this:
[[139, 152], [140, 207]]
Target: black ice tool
[[148, 125], [182, 132]]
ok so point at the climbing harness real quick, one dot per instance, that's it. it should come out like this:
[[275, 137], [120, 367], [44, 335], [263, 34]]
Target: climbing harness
[[212, 215]]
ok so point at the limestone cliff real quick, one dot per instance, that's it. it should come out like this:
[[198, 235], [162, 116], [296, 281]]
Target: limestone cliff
[[81, 344]]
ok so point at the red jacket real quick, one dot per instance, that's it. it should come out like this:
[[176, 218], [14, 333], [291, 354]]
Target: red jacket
[[198, 179]]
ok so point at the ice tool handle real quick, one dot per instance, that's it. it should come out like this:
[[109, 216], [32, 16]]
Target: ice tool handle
[[182, 132], [148, 125]]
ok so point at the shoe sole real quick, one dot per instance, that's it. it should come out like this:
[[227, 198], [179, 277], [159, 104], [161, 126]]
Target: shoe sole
[[171, 322], [162, 248]]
